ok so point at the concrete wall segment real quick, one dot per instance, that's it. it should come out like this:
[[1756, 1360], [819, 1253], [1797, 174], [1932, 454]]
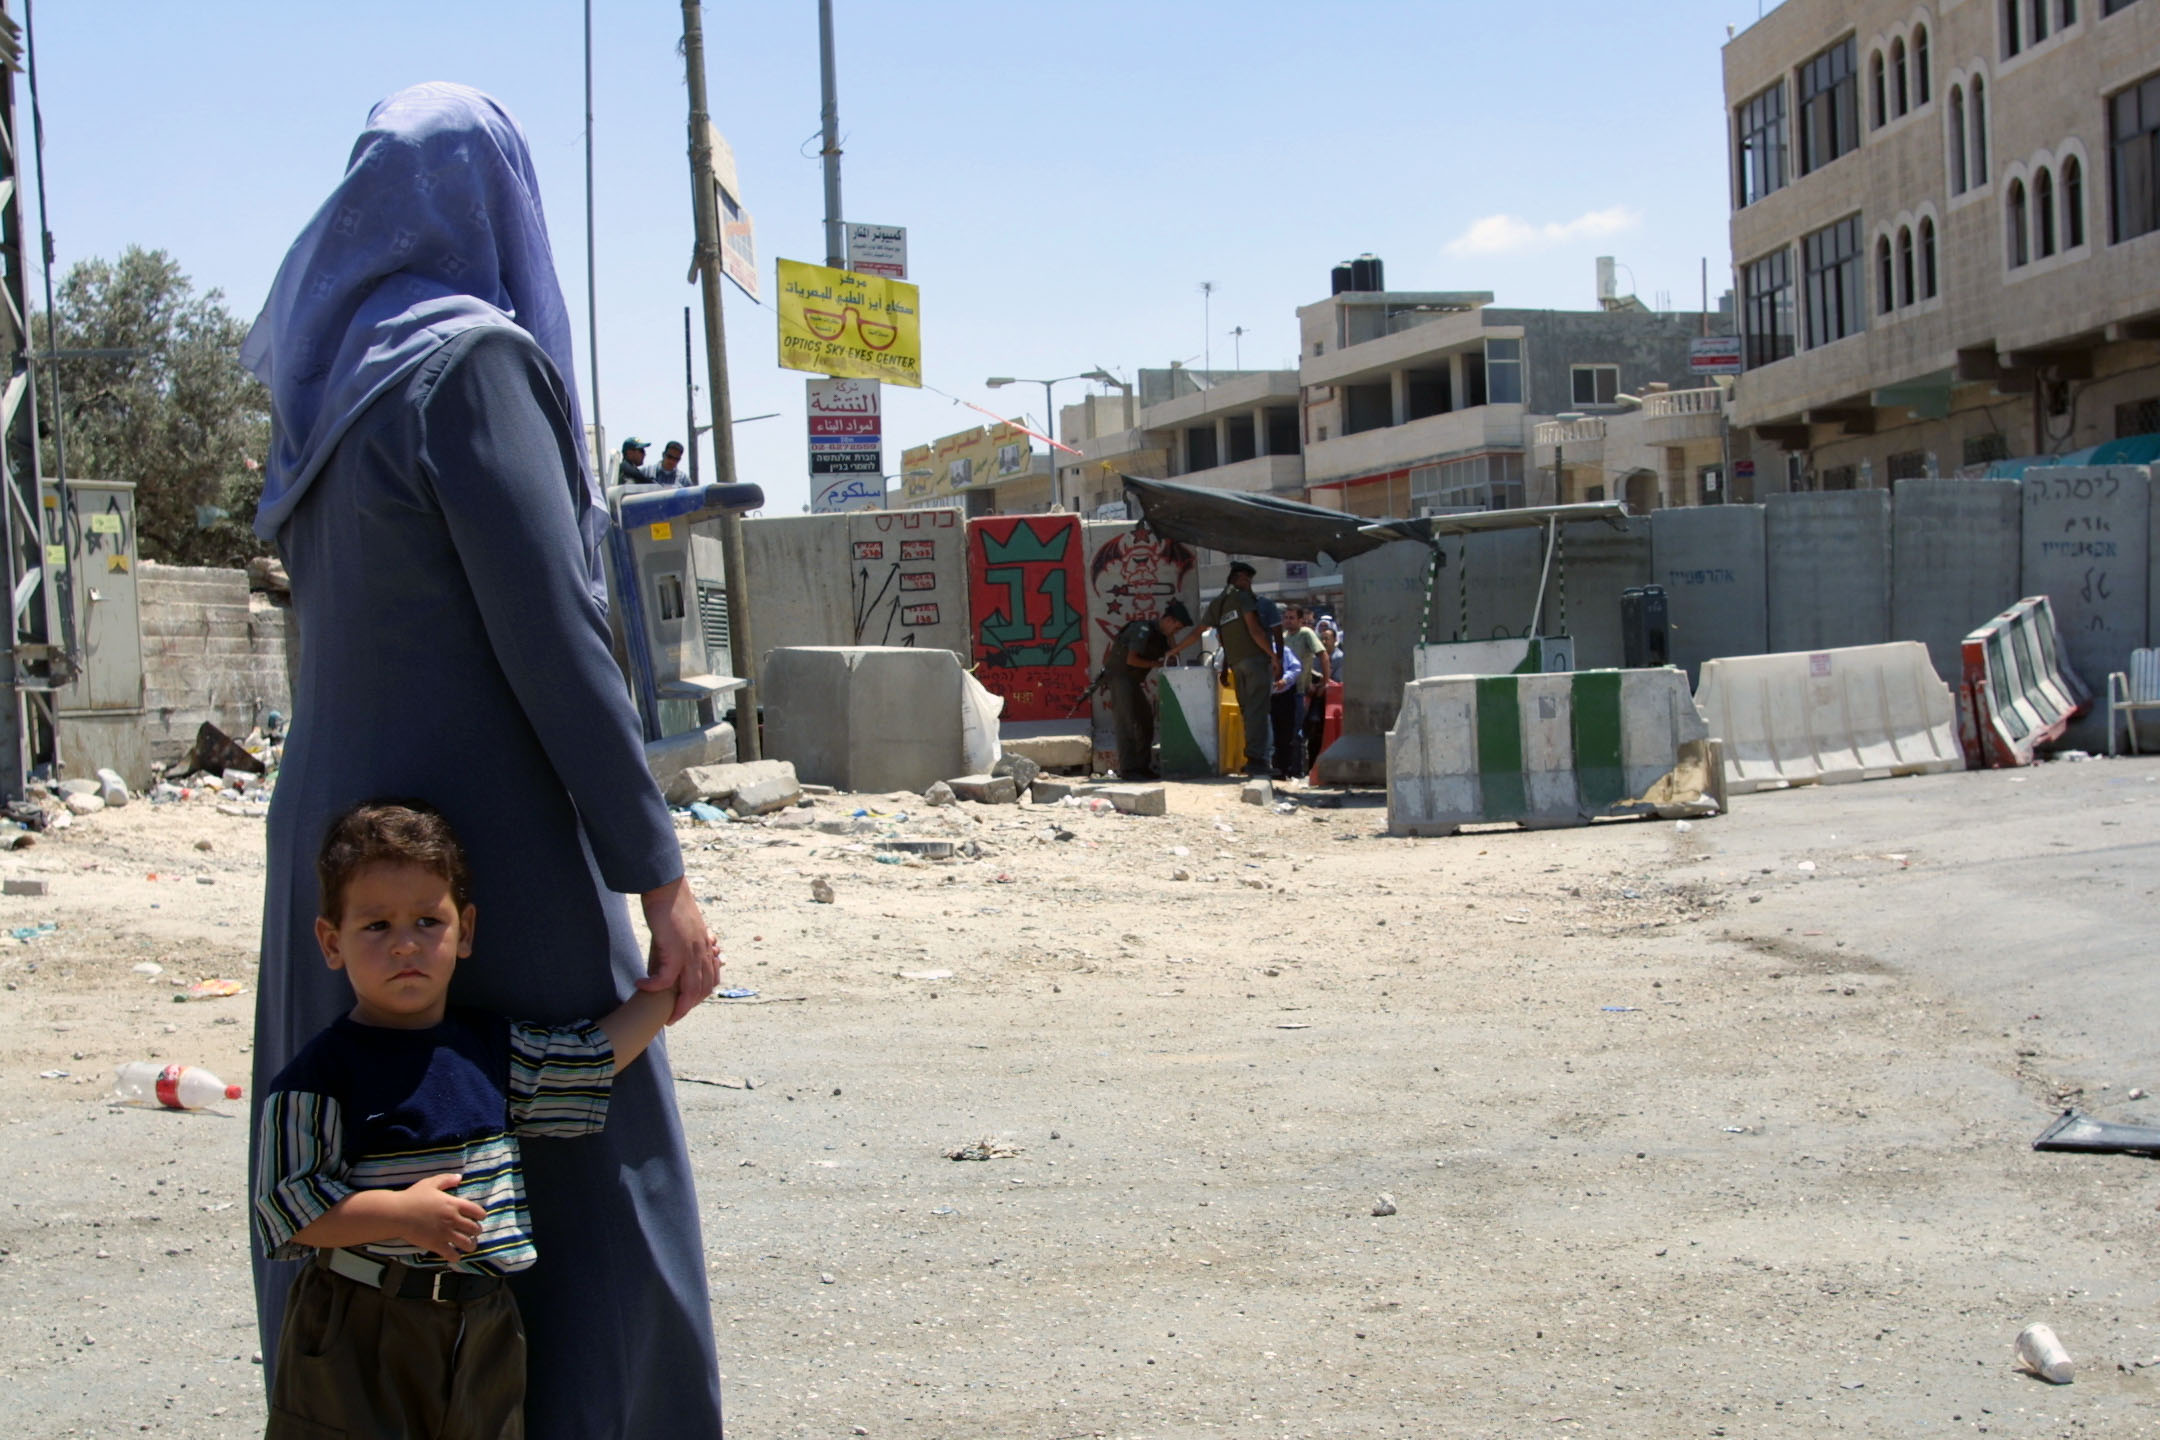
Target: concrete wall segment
[[1711, 564], [1955, 553], [2087, 547], [1828, 557]]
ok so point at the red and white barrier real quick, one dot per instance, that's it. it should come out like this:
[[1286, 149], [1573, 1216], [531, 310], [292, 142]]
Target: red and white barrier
[[2018, 691]]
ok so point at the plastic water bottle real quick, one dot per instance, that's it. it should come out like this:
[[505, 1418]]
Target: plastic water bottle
[[176, 1087], [2040, 1352]]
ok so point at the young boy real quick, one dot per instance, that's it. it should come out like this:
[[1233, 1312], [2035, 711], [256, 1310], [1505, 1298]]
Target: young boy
[[388, 1151]]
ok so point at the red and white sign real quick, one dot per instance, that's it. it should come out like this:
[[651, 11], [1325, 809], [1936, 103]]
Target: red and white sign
[[877, 250], [1715, 355], [847, 445]]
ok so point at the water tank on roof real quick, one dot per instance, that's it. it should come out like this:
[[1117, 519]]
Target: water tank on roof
[[1367, 274], [1341, 279]]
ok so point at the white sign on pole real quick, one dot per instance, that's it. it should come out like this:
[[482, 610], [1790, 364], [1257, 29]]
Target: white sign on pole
[[1715, 355], [877, 250], [847, 445], [738, 233]]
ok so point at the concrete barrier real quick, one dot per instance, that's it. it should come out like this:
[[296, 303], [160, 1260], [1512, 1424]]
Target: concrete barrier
[[1828, 716], [1954, 555], [1828, 555], [1185, 725], [866, 718], [1383, 613], [884, 578], [1548, 750], [2018, 692], [1710, 561], [2087, 538]]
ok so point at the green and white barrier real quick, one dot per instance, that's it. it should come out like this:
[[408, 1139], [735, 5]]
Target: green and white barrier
[[1185, 720], [1549, 750]]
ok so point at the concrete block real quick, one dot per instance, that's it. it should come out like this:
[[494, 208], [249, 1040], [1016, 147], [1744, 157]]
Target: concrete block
[[1955, 549], [1054, 752], [1046, 791], [2087, 547], [1134, 799], [985, 789], [79, 785], [1828, 555], [112, 789], [720, 783], [85, 804], [1709, 560], [668, 758], [763, 796], [1022, 770], [865, 718], [23, 887], [940, 794], [1257, 792]]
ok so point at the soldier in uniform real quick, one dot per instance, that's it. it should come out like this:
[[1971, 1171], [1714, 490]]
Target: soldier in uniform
[[1140, 647]]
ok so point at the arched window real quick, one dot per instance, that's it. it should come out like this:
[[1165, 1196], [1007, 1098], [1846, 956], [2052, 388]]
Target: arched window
[[1927, 259], [1957, 140], [1979, 132], [1885, 296], [1900, 80], [2015, 210], [2043, 200], [1879, 114], [1904, 266], [2013, 21], [1922, 84], [2073, 187]]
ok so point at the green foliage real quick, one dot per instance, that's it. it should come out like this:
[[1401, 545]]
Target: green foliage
[[181, 419]]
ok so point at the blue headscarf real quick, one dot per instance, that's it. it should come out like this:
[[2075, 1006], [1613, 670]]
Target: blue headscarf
[[435, 229]]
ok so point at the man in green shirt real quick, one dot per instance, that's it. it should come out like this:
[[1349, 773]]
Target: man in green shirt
[[1249, 657]]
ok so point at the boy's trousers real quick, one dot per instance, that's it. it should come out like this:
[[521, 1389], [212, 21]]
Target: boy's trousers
[[355, 1363]]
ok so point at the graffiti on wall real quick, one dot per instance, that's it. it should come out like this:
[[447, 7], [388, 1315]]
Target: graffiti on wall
[[1025, 589], [1132, 576], [892, 579]]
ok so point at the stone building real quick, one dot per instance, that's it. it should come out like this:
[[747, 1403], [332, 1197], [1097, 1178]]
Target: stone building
[[1945, 231]]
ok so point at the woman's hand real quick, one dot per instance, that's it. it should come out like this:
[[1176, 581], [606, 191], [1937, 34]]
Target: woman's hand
[[685, 957]]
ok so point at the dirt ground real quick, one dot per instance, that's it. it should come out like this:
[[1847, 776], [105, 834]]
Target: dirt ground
[[1715, 1131]]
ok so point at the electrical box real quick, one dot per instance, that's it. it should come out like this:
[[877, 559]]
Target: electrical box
[[92, 569]]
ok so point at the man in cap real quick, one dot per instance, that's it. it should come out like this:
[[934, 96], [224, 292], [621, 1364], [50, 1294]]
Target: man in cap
[[1139, 647], [671, 471], [1249, 657], [632, 470]]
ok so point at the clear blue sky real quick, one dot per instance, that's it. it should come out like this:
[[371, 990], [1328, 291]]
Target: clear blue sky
[[1068, 173]]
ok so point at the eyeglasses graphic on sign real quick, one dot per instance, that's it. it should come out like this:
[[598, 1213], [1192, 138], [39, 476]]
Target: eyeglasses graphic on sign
[[832, 324]]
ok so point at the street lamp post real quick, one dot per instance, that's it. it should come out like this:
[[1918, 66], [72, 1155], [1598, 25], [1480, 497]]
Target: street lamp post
[[998, 382], [1559, 468]]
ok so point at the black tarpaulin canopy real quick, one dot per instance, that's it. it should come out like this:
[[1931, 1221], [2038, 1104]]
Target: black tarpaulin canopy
[[1243, 523]]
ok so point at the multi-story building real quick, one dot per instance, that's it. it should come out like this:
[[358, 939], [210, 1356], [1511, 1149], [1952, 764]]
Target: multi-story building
[[1227, 429], [1945, 231], [1420, 400]]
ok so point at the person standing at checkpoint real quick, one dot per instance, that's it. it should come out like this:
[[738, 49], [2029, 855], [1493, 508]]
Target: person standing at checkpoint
[[1139, 648], [1249, 656]]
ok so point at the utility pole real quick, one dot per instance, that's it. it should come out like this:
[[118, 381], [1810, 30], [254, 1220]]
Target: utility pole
[[705, 206], [1237, 347], [592, 281], [1207, 331], [829, 118], [689, 396]]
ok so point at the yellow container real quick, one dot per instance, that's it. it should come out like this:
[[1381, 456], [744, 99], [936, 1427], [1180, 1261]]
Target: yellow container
[[1229, 731]]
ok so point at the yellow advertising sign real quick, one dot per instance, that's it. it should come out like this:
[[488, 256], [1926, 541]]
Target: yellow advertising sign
[[839, 323], [967, 460]]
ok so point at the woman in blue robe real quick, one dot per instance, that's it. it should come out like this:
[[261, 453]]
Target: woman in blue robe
[[429, 491]]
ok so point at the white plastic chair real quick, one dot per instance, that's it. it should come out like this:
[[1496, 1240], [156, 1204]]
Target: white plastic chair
[[2128, 694]]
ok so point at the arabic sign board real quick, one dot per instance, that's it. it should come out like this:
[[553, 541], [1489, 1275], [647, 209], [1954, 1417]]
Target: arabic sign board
[[1715, 355], [878, 250], [849, 325], [836, 493], [738, 237], [962, 461]]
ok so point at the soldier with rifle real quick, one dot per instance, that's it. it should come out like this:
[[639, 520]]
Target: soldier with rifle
[[1140, 647]]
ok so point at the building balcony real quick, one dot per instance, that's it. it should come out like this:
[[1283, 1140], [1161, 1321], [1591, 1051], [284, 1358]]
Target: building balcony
[[1674, 417], [1582, 442], [1395, 447], [1265, 474]]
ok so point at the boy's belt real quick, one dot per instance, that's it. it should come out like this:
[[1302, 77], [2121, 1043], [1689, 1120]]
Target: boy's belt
[[408, 1282]]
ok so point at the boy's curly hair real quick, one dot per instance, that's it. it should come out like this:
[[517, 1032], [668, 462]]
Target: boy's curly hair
[[389, 831]]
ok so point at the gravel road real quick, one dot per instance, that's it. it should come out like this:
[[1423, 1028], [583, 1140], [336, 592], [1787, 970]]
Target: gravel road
[[1719, 1131]]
